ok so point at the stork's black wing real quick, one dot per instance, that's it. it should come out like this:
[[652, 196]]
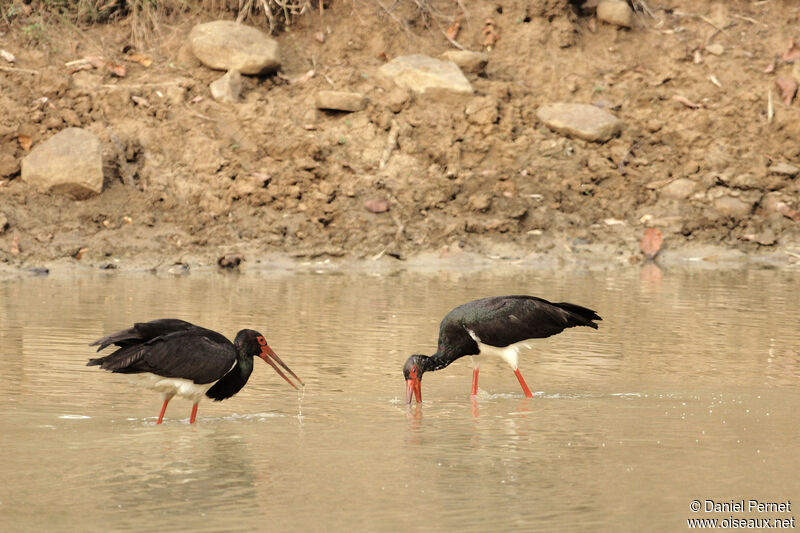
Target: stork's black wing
[[170, 348], [144, 331], [503, 320]]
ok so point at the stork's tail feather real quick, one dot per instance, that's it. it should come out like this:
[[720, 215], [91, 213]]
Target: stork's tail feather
[[583, 316], [125, 337], [123, 360]]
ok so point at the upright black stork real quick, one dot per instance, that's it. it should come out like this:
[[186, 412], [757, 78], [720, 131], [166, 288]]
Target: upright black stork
[[175, 357], [498, 326]]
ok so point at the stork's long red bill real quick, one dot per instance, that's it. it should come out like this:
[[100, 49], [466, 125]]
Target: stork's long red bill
[[271, 358], [413, 388]]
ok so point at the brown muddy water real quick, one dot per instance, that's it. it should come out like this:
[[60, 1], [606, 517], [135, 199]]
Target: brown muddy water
[[688, 391]]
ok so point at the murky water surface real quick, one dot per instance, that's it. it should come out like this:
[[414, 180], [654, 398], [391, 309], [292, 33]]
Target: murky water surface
[[689, 390]]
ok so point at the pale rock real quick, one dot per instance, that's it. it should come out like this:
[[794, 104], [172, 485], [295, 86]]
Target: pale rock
[[70, 163], [784, 169], [715, 49], [733, 206], [744, 181], [9, 165], [718, 14], [175, 94], [467, 60], [421, 73], [615, 12], [226, 45], [227, 88], [679, 189], [580, 120], [341, 101], [766, 237], [480, 202], [483, 110]]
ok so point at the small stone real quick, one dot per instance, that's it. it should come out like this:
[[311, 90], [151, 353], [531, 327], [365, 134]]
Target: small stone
[[341, 101], [70, 117], [226, 45], [679, 189], [396, 99], [766, 238], [377, 205], [421, 73], [480, 202], [615, 12], [467, 60], [775, 202], [70, 162], [9, 165], [228, 88], [580, 120], [745, 181], [52, 123], [178, 269], [716, 49], [651, 242], [175, 94], [788, 88], [230, 261], [691, 167], [732, 206], [784, 169], [483, 110]]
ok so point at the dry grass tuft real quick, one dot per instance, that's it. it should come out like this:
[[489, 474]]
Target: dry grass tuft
[[144, 17], [279, 13]]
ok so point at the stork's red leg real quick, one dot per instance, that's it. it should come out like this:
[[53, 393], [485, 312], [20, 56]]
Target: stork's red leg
[[475, 381], [525, 388], [194, 414], [163, 410]]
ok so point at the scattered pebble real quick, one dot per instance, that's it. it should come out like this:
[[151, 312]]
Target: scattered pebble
[[377, 205], [230, 261], [615, 12]]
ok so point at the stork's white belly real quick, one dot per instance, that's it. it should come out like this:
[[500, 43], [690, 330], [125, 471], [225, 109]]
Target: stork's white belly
[[169, 387], [509, 354]]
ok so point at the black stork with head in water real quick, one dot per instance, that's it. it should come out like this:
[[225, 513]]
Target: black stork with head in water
[[177, 358], [499, 326]]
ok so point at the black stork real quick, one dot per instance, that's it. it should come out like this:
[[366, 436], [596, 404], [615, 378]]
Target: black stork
[[177, 358], [499, 326]]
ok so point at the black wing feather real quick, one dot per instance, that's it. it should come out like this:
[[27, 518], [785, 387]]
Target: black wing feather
[[503, 320], [169, 348], [143, 332]]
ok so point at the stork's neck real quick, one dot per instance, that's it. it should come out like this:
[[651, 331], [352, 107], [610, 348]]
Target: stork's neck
[[234, 380], [437, 361]]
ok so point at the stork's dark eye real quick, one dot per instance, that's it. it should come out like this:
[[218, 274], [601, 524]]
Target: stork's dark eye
[[261, 340]]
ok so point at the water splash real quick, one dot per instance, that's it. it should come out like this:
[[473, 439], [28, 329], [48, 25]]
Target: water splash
[[301, 393]]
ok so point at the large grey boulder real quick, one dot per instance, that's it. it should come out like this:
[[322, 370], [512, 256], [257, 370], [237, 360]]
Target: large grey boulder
[[226, 45], [421, 73], [580, 120], [70, 162]]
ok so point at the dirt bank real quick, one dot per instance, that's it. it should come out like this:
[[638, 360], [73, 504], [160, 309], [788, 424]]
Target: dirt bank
[[189, 179]]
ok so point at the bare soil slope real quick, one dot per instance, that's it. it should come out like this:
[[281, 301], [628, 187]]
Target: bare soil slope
[[188, 177]]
